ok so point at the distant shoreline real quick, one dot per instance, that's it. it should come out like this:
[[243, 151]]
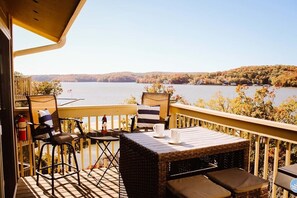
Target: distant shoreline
[[168, 84], [277, 75]]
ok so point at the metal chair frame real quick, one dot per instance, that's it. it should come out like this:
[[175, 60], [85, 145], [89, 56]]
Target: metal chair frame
[[49, 102], [154, 99]]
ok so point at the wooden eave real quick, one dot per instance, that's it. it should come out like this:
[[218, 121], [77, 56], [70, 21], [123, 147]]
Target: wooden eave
[[51, 19]]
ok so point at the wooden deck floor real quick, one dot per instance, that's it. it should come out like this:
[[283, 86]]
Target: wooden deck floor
[[68, 187]]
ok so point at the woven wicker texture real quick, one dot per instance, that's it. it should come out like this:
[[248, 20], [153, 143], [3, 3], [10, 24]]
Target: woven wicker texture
[[146, 163]]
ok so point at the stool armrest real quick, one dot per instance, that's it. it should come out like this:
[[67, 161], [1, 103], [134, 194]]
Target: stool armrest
[[77, 122]]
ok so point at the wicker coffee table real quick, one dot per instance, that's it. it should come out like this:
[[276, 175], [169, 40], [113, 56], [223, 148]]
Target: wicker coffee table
[[146, 162]]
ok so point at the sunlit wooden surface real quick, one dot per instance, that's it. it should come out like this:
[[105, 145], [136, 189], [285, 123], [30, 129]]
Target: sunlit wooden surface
[[68, 187]]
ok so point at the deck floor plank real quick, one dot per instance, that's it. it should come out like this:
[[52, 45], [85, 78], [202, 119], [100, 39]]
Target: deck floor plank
[[68, 187]]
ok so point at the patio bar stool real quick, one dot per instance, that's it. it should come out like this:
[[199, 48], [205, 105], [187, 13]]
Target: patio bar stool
[[240, 182], [195, 186]]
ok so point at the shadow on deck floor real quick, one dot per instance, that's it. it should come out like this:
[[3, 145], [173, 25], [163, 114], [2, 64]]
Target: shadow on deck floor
[[68, 187]]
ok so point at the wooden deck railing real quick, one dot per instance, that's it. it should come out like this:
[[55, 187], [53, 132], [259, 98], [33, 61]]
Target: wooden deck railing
[[118, 117], [22, 87], [270, 141]]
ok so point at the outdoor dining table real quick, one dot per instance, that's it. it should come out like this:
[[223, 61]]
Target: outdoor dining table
[[145, 162]]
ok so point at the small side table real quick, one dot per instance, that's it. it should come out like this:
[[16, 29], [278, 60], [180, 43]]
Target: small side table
[[103, 141]]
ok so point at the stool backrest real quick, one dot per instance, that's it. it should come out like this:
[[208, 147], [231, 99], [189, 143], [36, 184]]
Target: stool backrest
[[43, 102], [154, 99]]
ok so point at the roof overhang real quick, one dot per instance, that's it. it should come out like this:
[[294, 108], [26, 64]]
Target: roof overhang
[[51, 19]]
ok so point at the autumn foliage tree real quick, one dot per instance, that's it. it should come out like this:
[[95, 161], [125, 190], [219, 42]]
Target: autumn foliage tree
[[47, 88], [159, 88], [260, 106]]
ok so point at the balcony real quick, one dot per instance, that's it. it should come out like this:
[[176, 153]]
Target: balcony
[[269, 140]]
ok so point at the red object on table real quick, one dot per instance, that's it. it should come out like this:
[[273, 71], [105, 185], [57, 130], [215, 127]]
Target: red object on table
[[103, 131]]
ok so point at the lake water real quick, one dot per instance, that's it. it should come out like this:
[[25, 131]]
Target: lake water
[[98, 93]]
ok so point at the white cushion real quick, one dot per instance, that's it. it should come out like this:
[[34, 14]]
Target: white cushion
[[46, 118], [147, 116]]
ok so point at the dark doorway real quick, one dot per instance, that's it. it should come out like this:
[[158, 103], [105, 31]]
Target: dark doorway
[[8, 145]]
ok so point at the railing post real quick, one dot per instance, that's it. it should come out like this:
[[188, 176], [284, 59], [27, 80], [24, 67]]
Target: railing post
[[21, 158], [275, 167], [112, 121], [257, 152], [266, 155], [250, 150], [172, 121], [97, 123], [81, 153], [287, 163], [32, 157], [119, 122], [89, 123], [90, 152], [65, 157]]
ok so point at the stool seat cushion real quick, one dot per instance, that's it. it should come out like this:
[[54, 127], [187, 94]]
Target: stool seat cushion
[[237, 180], [197, 186], [62, 138]]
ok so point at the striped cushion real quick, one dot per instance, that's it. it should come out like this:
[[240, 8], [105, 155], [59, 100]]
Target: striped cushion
[[147, 116], [46, 118]]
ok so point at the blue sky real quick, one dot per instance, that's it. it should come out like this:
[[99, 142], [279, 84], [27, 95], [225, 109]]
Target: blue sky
[[168, 35]]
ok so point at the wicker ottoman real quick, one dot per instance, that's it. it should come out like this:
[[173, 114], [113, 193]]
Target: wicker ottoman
[[240, 182], [195, 186]]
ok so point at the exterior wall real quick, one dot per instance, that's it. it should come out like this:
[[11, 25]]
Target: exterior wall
[[6, 105]]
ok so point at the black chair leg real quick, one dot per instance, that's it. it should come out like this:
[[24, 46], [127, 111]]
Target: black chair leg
[[53, 169], [71, 150], [38, 164], [62, 158], [69, 158], [75, 160]]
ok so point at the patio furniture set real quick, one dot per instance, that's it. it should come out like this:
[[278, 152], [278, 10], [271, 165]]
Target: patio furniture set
[[204, 164], [152, 167]]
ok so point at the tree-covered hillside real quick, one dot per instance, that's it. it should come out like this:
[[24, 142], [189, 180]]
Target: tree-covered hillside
[[277, 75]]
